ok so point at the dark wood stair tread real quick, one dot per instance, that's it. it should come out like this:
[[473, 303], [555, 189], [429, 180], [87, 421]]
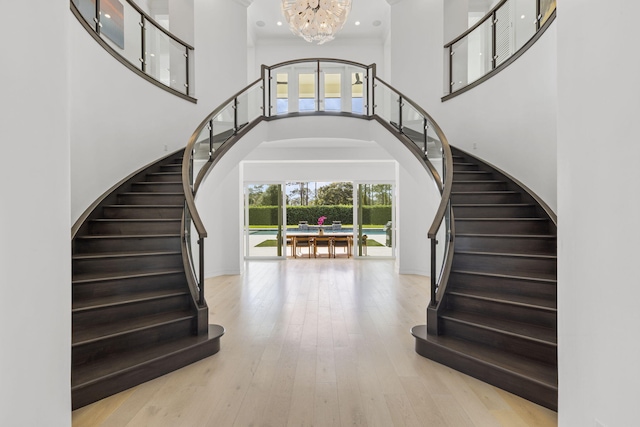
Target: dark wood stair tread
[[519, 299], [81, 335], [497, 358], [99, 277], [513, 255], [546, 336], [84, 304], [125, 236], [151, 193], [507, 276], [118, 362], [128, 254]]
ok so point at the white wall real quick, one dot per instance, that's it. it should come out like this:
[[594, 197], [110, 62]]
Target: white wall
[[35, 272], [509, 120], [599, 202]]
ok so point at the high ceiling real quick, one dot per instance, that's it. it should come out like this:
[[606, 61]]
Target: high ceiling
[[373, 16]]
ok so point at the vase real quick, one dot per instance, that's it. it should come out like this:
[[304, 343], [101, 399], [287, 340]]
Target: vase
[[320, 231]]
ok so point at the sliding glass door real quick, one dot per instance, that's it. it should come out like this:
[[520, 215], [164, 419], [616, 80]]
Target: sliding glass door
[[375, 230], [264, 226]]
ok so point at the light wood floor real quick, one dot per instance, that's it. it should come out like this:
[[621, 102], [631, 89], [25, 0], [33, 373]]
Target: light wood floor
[[316, 342]]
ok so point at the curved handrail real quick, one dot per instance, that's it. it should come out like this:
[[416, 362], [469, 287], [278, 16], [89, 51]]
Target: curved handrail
[[232, 128], [483, 68], [91, 20]]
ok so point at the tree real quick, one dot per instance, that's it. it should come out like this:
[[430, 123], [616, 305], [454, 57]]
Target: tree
[[270, 196], [336, 193], [255, 194]]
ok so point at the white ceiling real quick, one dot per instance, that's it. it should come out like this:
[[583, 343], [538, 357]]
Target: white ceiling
[[367, 12]]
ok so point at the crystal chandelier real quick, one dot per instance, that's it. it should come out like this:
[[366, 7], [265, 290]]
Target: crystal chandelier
[[316, 20]]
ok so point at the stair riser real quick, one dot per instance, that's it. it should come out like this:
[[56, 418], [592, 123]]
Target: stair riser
[[522, 346], [461, 166], [469, 174], [158, 187], [470, 198], [517, 245], [155, 212], [126, 244], [127, 264], [508, 312], [100, 316], [537, 289], [494, 211], [174, 281], [151, 199], [498, 264], [164, 177], [498, 226], [81, 354], [133, 227], [171, 168], [478, 186]]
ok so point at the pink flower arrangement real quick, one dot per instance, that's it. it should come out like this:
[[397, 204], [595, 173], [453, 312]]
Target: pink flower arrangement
[[321, 220]]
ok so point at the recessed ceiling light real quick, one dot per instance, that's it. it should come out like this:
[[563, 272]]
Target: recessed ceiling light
[[377, 23], [279, 23], [106, 15], [522, 17], [260, 23], [357, 22]]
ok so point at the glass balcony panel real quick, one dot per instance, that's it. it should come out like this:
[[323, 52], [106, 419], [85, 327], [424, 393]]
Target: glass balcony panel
[[516, 24], [158, 54], [200, 152], [524, 22], [87, 9], [177, 66], [307, 92], [282, 93], [546, 9], [223, 125], [471, 56], [387, 104], [413, 125], [332, 91], [435, 150], [120, 29], [357, 90], [250, 105], [191, 240]]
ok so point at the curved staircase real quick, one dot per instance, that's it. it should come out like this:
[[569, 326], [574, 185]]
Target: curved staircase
[[133, 314], [496, 318]]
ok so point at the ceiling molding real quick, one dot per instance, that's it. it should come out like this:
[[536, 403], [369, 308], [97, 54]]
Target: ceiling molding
[[245, 3], [392, 2]]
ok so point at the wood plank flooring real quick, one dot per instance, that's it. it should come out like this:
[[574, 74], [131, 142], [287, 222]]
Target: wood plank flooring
[[316, 343]]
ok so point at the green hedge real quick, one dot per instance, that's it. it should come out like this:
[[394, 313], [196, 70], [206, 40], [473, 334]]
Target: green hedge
[[268, 215]]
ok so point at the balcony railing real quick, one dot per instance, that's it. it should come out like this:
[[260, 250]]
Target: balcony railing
[[495, 41], [139, 42], [309, 87]]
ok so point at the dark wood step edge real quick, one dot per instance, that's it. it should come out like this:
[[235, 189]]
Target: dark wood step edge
[[503, 301], [501, 331], [511, 255], [127, 276], [506, 276], [130, 301], [111, 255]]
